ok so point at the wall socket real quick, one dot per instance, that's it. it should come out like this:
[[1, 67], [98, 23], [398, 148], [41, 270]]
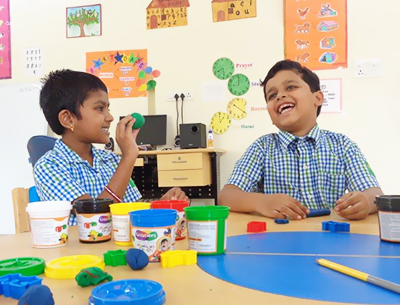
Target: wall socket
[[368, 68], [187, 93]]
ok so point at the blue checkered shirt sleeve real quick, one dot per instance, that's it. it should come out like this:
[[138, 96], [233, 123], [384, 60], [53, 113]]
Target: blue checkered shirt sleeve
[[62, 175], [359, 174], [248, 173]]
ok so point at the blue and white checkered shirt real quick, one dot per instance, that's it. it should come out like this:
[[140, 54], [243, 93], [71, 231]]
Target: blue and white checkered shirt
[[315, 169], [61, 174]]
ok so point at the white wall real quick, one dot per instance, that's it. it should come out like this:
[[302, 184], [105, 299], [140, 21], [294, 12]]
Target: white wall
[[185, 55]]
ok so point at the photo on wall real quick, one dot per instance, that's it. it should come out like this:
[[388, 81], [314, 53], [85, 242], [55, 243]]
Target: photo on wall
[[83, 21]]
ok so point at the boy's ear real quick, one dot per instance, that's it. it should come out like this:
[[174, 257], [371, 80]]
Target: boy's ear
[[319, 98], [66, 118]]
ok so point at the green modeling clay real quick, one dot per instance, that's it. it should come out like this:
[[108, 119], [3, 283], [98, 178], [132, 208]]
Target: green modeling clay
[[92, 276]]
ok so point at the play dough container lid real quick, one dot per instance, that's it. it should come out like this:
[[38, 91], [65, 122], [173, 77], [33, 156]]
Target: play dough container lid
[[99, 205], [44, 209], [128, 292], [68, 267], [125, 208], [153, 218], [24, 265], [206, 212], [170, 204]]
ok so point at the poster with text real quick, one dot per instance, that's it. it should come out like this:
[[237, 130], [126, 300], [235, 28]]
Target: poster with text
[[34, 62], [126, 73], [332, 90], [316, 33], [225, 10], [167, 13], [5, 42]]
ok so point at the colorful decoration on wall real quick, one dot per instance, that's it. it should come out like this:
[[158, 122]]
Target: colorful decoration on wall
[[316, 33], [125, 73], [167, 13], [237, 108], [223, 68], [224, 10], [220, 122], [5, 42], [238, 84], [84, 21]]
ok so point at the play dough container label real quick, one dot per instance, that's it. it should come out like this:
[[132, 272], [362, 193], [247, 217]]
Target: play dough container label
[[389, 217], [94, 227], [207, 229], [93, 218], [49, 223], [153, 231], [121, 223], [154, 241], [179, 205]]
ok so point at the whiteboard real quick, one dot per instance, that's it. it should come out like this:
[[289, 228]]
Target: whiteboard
[[21, 119]]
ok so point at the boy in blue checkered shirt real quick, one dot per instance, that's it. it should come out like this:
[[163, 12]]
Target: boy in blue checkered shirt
[[301, 167], [76, 106]]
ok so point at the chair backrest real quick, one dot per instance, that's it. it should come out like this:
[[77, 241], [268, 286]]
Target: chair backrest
[[20, 198], [38, 146]]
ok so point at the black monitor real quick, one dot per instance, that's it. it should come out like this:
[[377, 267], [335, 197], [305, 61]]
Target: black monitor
[[154, 130]]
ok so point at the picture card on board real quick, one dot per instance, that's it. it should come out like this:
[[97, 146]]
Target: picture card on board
[[84, 21], [34, 62]]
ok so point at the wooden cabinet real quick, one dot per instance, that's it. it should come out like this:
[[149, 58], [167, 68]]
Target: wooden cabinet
[[184, 170], [196, 171]]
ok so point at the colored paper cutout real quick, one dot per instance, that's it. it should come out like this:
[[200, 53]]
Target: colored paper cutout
[[312, 28], [225, 10], [83, 21], [166, 13], [5, 42], [125, 73]]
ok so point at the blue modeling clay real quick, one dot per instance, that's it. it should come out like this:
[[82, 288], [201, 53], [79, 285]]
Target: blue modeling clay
[[318, 212], [136, 259], [281, 221], [37, 295]]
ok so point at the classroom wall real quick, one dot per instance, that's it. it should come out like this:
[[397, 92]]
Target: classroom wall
[[185, 56]]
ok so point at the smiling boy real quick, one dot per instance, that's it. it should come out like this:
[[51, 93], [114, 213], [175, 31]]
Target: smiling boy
[[301, 167], [76, 106]]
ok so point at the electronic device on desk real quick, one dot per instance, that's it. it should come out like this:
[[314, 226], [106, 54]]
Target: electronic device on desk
[[193, 135], [153, 132], [110, 145]]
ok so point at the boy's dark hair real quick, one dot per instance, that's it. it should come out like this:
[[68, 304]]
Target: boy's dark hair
[[306, 75], [66, 89]]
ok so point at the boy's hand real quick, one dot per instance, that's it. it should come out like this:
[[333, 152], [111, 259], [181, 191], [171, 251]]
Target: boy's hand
[[126, 137], [353, 205], [283, 206], [175, 194]]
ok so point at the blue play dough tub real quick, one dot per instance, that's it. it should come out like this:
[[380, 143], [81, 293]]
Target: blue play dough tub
[[153, 231], [129, 292]]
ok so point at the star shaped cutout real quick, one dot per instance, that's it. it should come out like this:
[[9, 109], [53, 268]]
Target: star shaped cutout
[[97, 63], [118, 58], [132, 59]]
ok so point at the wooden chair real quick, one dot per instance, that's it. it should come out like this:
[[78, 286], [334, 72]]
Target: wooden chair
[[20, 198]]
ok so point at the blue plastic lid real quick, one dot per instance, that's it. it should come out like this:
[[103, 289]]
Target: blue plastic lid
[[129, 292], [153, 218]]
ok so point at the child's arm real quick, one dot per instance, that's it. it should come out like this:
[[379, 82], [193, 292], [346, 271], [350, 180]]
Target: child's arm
[[358, 205], [361, 183], [175, 193], [273, 206], [126, 139]]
